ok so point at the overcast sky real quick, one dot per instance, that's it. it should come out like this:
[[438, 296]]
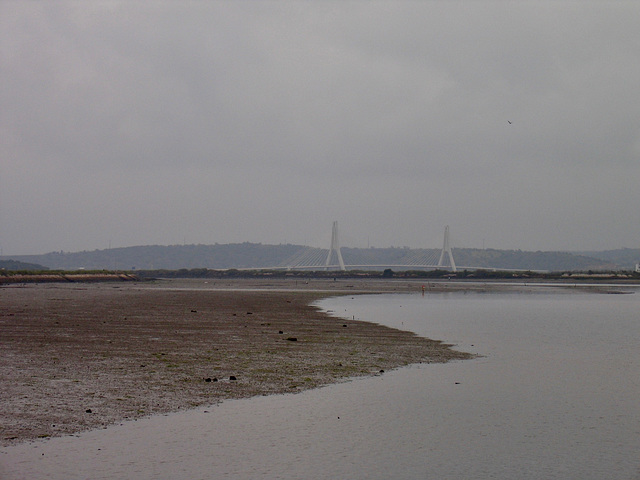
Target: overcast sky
[[136, 123]]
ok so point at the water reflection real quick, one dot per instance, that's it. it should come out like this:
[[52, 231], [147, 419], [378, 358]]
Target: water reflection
[[553, 396]]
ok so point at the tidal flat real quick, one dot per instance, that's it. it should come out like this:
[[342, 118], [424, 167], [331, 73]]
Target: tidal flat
[[76, 356]]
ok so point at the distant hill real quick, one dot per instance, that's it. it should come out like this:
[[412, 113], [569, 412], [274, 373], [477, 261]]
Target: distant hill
[[256, 255], [625, 258], [15, 265], [517, 259], [171, 257], [485, 258]]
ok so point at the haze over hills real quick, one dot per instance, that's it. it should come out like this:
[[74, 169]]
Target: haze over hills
[[256, 255], [14, 265], [625, 257]]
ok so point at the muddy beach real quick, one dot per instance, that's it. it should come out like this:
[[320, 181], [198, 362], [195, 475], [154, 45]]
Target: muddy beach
[[83, 356]]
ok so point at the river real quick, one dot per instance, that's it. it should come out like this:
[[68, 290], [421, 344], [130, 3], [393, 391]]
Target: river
[[553, 394]]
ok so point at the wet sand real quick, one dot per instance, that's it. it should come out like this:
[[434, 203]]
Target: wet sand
[[82, 356]]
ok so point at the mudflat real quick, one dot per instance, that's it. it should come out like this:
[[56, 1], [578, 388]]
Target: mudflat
[[81, 356]]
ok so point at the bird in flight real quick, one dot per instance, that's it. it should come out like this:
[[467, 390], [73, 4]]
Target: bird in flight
[[509, 122]]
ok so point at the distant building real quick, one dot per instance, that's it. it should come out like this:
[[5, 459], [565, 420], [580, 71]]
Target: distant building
[[637, 267]]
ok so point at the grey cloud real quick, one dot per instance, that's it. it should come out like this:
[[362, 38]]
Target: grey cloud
[[234, 121]]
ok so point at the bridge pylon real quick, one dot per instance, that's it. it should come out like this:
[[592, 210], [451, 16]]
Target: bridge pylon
[[335, 247], [446, 248]]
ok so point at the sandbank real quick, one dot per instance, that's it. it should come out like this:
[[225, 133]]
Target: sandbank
[[81, 356]]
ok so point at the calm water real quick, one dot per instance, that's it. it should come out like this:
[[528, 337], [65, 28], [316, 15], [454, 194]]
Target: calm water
[[555, 395]]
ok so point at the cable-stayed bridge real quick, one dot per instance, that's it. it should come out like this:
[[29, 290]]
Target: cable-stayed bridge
[[337, 258]]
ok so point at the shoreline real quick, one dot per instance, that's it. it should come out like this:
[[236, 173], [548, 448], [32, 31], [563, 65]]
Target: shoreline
[[262, 278], [76, 356], [65, 277]]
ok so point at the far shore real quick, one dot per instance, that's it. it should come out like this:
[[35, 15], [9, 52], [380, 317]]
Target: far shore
[[341, 279], [66, 277]]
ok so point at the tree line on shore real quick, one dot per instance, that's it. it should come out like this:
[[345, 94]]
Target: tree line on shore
[[47, 276]]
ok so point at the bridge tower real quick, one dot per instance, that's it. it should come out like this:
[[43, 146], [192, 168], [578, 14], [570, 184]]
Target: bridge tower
[[335, 247], [446, 247]]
